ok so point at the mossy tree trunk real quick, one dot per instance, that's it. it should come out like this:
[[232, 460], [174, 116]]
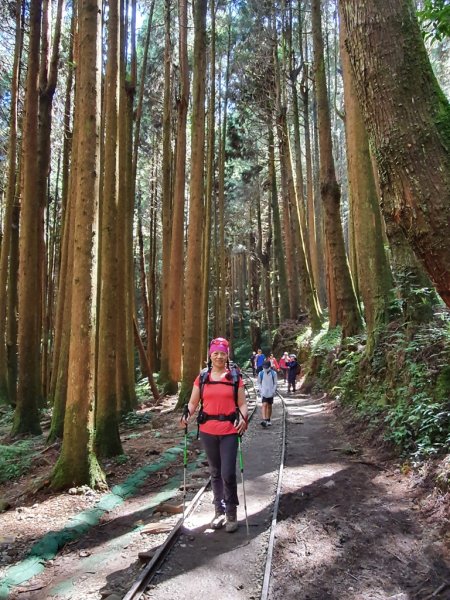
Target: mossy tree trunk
[[348, 314], [374, 275], [77, 463], [107, 438], [408, 120]]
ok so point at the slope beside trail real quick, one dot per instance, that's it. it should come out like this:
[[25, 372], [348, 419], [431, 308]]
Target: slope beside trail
[[349, 525]]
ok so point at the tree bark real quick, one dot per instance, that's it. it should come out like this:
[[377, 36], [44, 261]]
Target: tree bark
[[5, 396], [176, 293], [348, 312], [192, 332], [166, 203], [107, 438], [408, 120], [375, 279], [26, 417], [77, 463]]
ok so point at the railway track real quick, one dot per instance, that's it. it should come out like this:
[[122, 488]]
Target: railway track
[[161, 558]]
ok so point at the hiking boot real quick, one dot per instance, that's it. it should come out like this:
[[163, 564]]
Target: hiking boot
[[219, 519], [231, 525], [264, 423], [268, 424]]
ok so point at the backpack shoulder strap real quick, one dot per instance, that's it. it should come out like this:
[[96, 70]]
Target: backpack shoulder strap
[[235, 375], [203, 376]]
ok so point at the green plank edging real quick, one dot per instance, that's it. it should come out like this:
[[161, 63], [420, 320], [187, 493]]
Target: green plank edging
[[47, 547]]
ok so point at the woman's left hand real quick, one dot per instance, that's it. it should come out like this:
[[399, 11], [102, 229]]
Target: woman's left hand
[[241, 427]]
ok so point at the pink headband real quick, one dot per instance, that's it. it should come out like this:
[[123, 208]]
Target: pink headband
[[219, 345]]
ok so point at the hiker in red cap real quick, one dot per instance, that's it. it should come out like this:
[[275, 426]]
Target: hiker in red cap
[[222, 418]]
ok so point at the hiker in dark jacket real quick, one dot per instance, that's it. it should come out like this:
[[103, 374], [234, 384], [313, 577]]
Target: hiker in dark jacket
[[293, 367]]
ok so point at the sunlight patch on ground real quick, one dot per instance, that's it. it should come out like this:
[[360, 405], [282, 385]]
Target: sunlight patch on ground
[[308, 474]]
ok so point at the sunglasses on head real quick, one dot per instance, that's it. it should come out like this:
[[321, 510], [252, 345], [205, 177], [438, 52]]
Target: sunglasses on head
[[221, 341]]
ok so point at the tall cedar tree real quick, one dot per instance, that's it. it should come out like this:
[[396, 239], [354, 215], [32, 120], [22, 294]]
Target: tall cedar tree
[[166, 202], [374, 275], [77, 463], [408, 119], [107, 439], [209, 186], [348, 315], [175, 308], [192, 331], [5, 250], [26, 416]]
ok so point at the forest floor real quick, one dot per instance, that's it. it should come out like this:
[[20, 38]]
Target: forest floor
[[354, 523]]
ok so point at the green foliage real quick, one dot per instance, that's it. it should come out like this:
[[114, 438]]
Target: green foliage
[[142, 389], [242, 351], [121, 459], [323, 345], [15, 459], [133, 419], [434, 18], [403, 388]]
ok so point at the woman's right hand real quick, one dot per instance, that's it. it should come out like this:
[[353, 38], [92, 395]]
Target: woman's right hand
[[185, 416]]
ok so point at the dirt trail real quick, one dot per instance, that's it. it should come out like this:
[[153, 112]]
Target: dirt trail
[[349, 527]]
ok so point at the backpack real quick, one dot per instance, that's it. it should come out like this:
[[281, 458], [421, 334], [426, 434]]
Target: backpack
[[261, 373]]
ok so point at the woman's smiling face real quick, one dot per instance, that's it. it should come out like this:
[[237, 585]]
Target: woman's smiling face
[[218, 357]]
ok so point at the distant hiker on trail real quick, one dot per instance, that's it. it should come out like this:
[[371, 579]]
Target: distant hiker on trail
[[294, 369], [283, 365], [260, 358], [223, 416], [273, 362], [267, 384], [253, 363]]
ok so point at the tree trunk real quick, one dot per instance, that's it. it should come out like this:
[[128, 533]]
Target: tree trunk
[[9, 209], [107, 438], [166, 204], [407, 117], [176, 294], [347, 306], [77, 463], [206, 259], [372, 265], [279, 257], [26, 417], [192, 332]]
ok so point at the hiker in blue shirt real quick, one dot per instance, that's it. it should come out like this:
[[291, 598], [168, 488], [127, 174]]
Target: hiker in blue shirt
[[267, 384], [260, 358]]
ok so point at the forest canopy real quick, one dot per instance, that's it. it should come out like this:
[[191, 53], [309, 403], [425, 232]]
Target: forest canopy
[[171, 172]]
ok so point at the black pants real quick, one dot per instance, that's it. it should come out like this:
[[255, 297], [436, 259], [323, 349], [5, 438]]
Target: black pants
[[221, 451]]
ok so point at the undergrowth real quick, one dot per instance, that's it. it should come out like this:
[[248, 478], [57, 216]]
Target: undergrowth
[[15, 459], [403, 388]]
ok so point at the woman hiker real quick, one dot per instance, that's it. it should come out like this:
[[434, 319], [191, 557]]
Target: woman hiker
[[222, 418]]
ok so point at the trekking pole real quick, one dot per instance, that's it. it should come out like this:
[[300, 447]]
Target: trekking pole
[[184, 468], [186, 417], [241, 464]]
